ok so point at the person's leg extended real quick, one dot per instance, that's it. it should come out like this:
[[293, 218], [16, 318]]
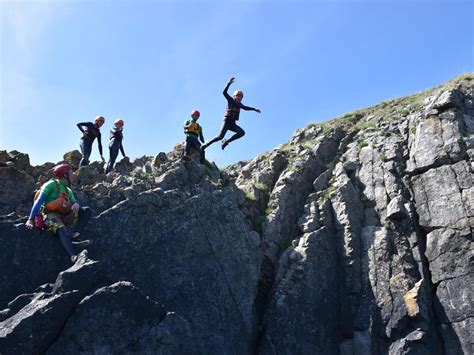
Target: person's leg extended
[[66, 241], [221, 135], [239, 133]]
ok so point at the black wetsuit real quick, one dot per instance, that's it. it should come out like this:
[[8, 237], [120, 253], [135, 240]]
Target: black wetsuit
[[89, 134], [231, 115], [84, 214], [115, 144]]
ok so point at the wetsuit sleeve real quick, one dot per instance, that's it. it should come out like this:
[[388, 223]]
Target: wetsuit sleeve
[[201, 137], [187, 123], [72, 199], [227, 96], [99, 141], [36, 206], [247, 108], [82, 124], [121, 149]]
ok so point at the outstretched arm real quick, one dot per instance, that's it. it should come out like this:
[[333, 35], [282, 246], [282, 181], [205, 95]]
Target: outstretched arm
[[201, 137], [229, 83], [248, 108]]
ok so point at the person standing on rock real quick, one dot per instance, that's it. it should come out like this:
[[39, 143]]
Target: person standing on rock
[[231, 116], [193, 132], [115, 144], [58, 207], [90, 131]]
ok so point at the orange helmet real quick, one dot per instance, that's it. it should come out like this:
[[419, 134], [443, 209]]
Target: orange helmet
[[118, 121]]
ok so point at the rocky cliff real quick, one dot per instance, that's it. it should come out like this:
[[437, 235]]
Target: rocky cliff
[[355, 237]]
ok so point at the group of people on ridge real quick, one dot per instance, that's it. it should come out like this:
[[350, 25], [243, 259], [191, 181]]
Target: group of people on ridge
[[91, 131], [56, 209]]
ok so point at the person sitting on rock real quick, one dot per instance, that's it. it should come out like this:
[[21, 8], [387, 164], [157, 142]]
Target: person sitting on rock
[[234, 104], [193, 132], [115, 144], [90, 131], [56, 203]]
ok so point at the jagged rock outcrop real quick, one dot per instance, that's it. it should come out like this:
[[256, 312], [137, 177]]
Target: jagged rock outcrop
[[355, 237]]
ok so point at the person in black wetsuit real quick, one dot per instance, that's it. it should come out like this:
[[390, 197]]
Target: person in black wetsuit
[[90, 131], [234, 104], [115, 144]]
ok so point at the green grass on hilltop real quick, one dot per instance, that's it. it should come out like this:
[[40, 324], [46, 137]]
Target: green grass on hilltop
[[392, 109]]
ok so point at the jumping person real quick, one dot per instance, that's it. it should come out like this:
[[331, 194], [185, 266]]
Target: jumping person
[[234, 104], [193, 132], [115, 144], [90, 131], [57, 205]]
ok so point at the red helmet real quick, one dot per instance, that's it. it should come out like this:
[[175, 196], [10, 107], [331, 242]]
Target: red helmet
[[118, 121], [60, 170], [195, 112]]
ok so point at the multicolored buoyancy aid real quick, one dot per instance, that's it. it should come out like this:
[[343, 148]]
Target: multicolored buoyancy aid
[[192, 127]]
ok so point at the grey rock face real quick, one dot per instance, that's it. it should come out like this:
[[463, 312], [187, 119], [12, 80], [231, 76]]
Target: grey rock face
[[197, 255], [444, 196], [119, 318], [307, 291], [437, 141]]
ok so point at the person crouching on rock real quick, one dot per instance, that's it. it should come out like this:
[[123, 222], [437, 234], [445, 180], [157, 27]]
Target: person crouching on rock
[[193, 132], [115, 144], [90, 131], [56, 203], [231, 116]]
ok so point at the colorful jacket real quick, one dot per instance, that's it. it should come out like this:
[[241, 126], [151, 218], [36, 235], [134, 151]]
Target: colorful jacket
[[48, 193], [192, 128]]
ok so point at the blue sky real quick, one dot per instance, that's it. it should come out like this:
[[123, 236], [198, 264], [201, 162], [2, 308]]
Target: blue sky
[[152, 62]]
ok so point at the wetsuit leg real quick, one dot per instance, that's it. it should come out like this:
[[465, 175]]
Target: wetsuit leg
[[224, 128], [114, 146], [188, 145], [197, 145], [239, 132], [84, 215], [86, 149], [66, 241]]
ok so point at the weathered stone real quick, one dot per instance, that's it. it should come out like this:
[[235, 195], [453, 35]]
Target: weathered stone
[[118, 319], [439, 199], [396, 209], [450, 253], [437, 142], [73, 158], [159, 159], [302, 317], [123, 166]]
